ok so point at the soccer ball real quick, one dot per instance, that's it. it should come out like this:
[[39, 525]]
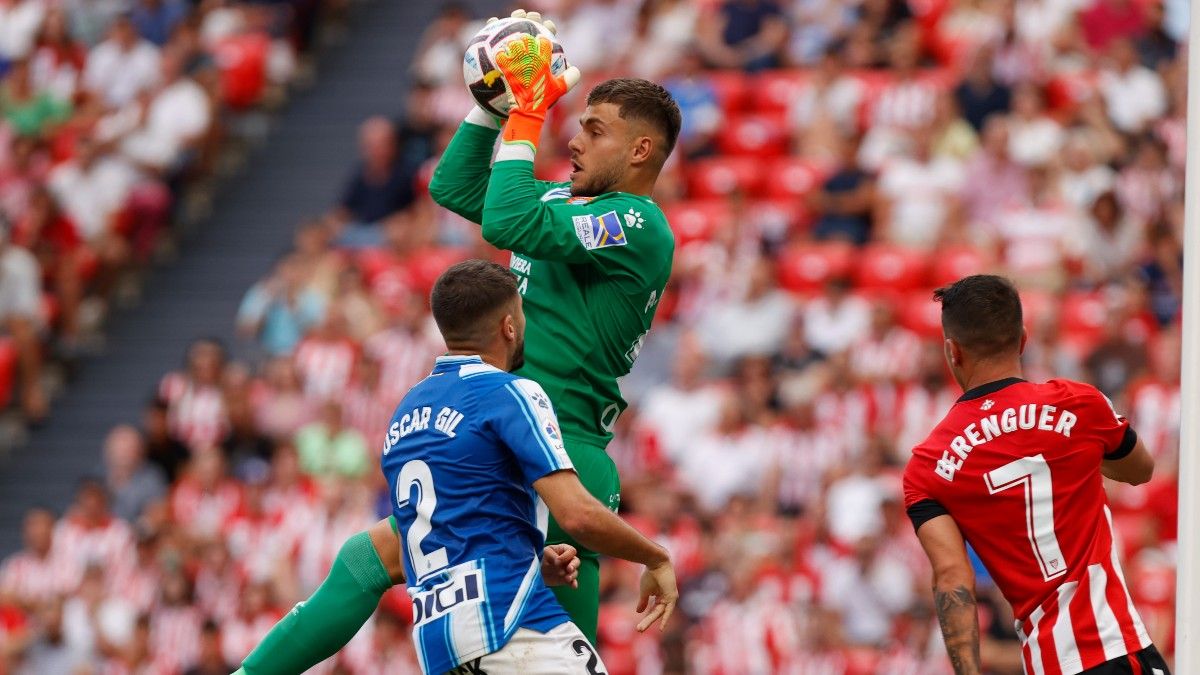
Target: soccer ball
[[483, 79]]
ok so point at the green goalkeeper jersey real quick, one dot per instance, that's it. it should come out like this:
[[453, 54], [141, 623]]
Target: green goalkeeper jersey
[[591, 271]]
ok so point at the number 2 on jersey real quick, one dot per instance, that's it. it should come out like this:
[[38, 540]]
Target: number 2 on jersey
[[416, 472], [1033, 474]]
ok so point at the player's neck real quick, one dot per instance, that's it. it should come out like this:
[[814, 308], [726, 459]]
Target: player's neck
[[636, 184], [496, 359], [990, 371]]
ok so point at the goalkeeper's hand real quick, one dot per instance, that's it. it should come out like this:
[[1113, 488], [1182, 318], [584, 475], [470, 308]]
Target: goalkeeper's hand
[[525, 65], [658, 582]]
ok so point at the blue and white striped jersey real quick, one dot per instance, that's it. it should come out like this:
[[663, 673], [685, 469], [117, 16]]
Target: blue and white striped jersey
[[461, 455]]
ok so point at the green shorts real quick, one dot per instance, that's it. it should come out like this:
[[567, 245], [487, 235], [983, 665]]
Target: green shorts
[[598, 473]]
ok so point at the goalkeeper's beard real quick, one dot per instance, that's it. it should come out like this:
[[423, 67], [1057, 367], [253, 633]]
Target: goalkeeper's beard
[[596, 182]]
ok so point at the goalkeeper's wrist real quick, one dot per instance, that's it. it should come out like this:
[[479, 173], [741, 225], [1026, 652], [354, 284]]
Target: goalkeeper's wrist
[[482, 118], [524, 128]]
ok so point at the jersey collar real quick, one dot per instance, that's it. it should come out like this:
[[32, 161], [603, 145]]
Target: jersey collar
[[989, 388], [450, 360]]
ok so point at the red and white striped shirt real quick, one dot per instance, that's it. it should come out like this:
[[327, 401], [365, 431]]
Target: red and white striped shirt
[[78, 544], [175, 637], [33, 579], [405, 358], [325, 365], [196, 414]]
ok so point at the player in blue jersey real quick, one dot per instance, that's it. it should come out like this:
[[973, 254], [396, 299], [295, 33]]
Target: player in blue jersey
[[475, 464]]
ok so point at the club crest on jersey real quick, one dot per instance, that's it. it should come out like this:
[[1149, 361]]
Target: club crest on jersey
[[561, 192], [600, 231], [634, 219]]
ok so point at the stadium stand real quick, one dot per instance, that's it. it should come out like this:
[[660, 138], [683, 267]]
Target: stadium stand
[[839, 160]]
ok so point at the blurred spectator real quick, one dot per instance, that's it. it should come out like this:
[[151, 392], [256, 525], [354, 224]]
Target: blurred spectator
[[34, 576], [917, 200], [994, 183], [20, 21], [826, 106], [96, 622], [366, 408], [887, 352], [1034, 238], [845, 200], [733, 444], [65, 259], [30, 111], [688, 406], [596, 30], [1082, 179], [980, 95], [697, 99], [328, 447], [195, 405], [1109, 241], [668, 29], [205, 496], [94, 189], [833, 321], [48, 651], [439, 52], [162, 449], [171, 122], [177, 631], [953, 137], [379, 186], [325, 358], [1146, 185], [155, 20], [743, 34], [753, 324], [21, 318], [279, 309], [122, 67], [88, 534], [1118, 358], [1133, 93], [132, 482], [1034, 138], [281, 406], [816, 27], [868, 589]]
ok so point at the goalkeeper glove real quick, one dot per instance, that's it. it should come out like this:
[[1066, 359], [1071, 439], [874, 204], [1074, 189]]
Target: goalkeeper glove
[[525, 64]]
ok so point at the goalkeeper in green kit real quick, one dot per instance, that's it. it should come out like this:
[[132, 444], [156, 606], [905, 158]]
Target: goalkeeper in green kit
[[592, 258]]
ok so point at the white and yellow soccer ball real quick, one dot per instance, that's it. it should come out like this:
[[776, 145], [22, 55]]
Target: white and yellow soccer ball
[[483, 78]]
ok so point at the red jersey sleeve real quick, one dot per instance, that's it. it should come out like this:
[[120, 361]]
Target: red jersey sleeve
[[919, 502], [1100, 420]]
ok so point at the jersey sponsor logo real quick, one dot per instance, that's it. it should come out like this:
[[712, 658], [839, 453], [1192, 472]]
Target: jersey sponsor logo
[[561, 192], [987, 405], [463, 589], [602, 231], [634, 219]]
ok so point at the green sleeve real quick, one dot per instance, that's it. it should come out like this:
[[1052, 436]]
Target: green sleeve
[[461, 178], [596, 233]]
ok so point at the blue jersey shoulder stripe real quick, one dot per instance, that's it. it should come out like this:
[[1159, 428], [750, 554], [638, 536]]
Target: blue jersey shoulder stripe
[[531, 416]]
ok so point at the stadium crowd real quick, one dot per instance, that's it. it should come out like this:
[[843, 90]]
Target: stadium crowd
[[838, 160]]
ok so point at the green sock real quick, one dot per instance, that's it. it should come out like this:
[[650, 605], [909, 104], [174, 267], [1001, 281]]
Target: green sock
[[316, 628]]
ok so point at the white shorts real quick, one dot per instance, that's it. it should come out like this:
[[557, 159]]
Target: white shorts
[[563, 650]]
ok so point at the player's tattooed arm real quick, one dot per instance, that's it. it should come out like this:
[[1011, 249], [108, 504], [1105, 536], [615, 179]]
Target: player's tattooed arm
[[953, 592], [959, 618]]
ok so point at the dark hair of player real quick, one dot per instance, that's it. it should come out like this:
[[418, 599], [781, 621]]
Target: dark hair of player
[[467, 297], [982, 313], [643, 101]]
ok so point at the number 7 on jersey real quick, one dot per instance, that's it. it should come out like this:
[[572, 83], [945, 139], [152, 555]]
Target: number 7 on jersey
[[1033, 474]]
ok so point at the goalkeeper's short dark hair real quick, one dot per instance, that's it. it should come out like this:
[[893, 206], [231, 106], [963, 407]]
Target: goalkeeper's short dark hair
[[467, 296], [982, 313], [644, 101]]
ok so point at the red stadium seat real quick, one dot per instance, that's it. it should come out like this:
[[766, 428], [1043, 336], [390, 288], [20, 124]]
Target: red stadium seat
[[775, 90], [804, 268], [770, 212], [885, 266], [693, 221], [918, 312], [722, 176], [8, 367], [1082, 316], [755, 134], [792, 178], [951, 263], [732, 87]]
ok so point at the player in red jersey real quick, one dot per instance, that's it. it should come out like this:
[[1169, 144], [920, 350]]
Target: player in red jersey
[[1015, 470]]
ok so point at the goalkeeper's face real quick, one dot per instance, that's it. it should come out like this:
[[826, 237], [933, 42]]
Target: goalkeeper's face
[[601, 152]]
